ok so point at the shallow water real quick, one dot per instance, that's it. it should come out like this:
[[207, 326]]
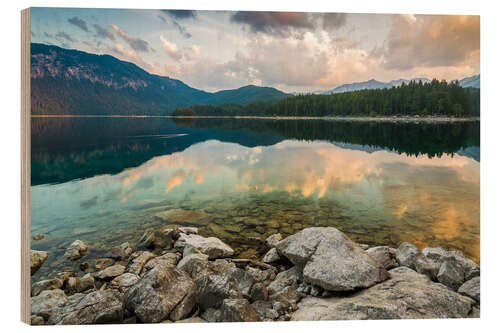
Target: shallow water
[[243, 184]]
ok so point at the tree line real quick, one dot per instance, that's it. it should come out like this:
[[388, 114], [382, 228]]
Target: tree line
[[413, 99]]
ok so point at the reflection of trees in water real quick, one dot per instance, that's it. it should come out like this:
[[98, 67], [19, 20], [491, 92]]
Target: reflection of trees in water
[[70, 148], [431, 139]]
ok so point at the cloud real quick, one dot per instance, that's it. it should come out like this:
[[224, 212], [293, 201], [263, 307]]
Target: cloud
[[274, 23], [182, 30], [63, 35], [285, 24], [333, 21], [102, 32], [430, 41], [180, 14], [170, 48], [78, 22], [130, 55], [136, 44]]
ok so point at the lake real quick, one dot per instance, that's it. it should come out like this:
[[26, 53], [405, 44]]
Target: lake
[[106, 180]]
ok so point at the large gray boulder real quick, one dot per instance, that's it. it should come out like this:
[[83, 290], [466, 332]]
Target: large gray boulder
[[329, 259], [37, 258], [407, 295], [211, 246], [472, 288], [238, 310], [76, 250], [98, 307], [163, 292], [384, 255], [44, 303]]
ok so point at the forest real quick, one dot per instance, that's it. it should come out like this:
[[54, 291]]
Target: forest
[[435, 98]]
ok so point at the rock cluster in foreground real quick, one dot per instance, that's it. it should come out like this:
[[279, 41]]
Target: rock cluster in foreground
[[176, 275]]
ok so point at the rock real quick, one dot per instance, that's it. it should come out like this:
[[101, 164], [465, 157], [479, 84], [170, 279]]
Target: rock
[[188, 230], [103, 263], [384, 255], [152, 239], [37, 258], [241, 278], [51, 284], [259, 292], [192, 320], [238, 310], [123, 282], [472, 288], [213, 289], [182, 216], [76, 250], [85, 283], [168, 259], [163, 292], [402, 269], [288, 278], [37, 320], [84, 266], [265, 310], [121, 252], [475, 312], [331, 260], [138, 260], [273, 240], [211, 246], [38, 237], [43, 304], [258, 275], [408, 255], [98, 307], [211, 315], [437, 256], [408, 295], [70, 285], [364, 246], [110, 273], [194, 264], [271, 256], [451, 273]]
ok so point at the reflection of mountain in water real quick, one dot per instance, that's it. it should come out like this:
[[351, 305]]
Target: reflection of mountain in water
[[64, 149]]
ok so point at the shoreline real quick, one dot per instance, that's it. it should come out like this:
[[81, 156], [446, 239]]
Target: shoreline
[[367, 119], [176, 275]]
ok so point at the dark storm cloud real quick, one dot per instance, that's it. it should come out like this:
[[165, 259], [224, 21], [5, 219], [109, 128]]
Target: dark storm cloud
[[333, 21], [136, 44], [285, 24], [180, 14], [78, 22], [102, 32], [275, 23], [63, 35]]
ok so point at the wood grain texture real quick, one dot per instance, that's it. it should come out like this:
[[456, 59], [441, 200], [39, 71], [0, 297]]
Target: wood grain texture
[[25, 166]]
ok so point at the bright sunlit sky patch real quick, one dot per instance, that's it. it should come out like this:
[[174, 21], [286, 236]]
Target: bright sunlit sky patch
[[301, 52]]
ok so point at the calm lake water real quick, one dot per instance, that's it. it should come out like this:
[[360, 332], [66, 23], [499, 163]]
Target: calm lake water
[[106, 180]]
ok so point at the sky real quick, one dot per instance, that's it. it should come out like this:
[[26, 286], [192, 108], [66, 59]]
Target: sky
[[291, 51]]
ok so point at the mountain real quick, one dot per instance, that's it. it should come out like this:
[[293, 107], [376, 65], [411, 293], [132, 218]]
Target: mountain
[[471, 82], [246, 94], [65, 81], [370, 84]]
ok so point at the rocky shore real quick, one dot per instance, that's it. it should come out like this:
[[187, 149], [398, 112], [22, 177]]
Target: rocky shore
[[175, 275]]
